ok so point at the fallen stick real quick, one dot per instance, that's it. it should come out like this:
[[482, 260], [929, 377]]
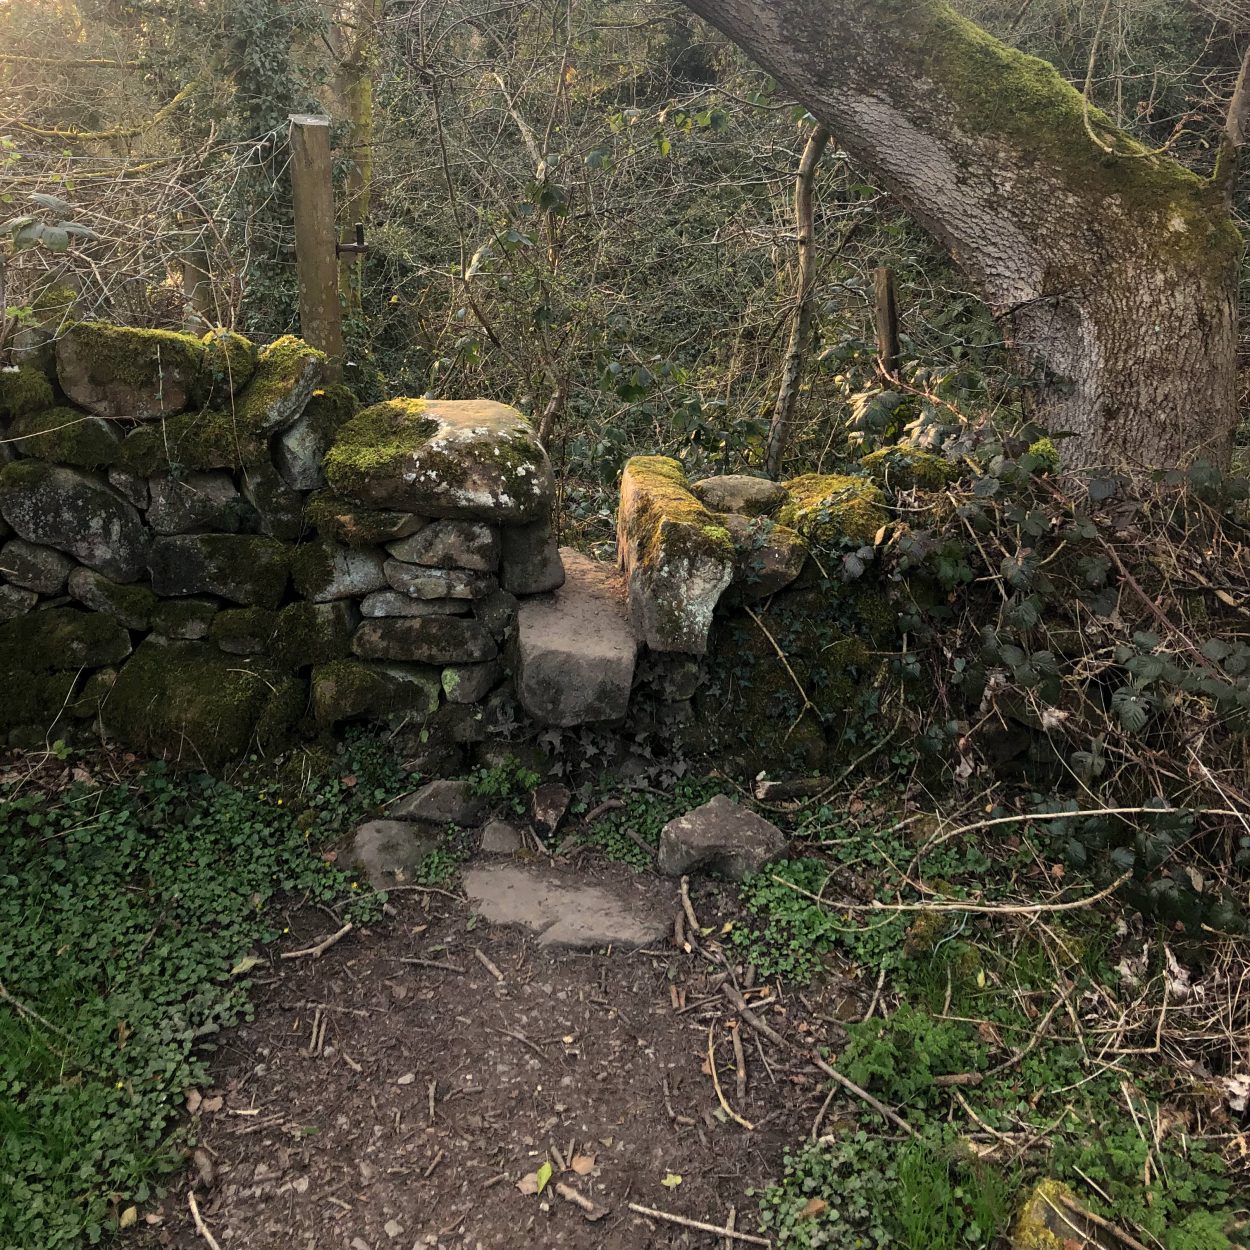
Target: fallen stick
[[486, 963], [688, 907], [200, 1226], [591, 1210], [322, 946], [740, 1063], [720, 1095], [1098, 1222], [685, 1222]]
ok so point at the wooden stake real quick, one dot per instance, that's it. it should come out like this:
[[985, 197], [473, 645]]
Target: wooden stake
[[312, 193], [887, 320]]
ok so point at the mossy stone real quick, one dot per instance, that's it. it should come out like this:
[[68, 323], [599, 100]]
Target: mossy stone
[[339, 520], [248, 570], [33, 702], [314, 633], [287, 372], [61, 638], [191, 441], [244, 631], [829, 510], [127, 373], [347, 690], [189, 701], [227, 366], [189, 620], [66, 436], [132, 605], [678, 557], [470, 459], [906, 468], [24, 390]]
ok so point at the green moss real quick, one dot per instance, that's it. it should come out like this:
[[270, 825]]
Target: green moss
[[378, 440], [133, 356], [191, 442], [1034, 1226], [996, 90], [228, 365], [33, 701], [66, 436], [906, 468], [60, 638], [312, 633], [283, 710], [312, 568], [131, 604], [1047, 453], [189, 701], [833, 509], [23, 390], [330, 408], [339, 520], [287, 371], [244, 631], [663, 519], [183, 618]]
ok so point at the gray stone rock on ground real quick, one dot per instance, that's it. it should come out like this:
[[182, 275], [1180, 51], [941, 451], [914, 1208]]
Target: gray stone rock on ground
[[441, 802], [739, 492], [575, 648], [621, 910], [549, 804], [720, 836], [390, 852], [501, 837]]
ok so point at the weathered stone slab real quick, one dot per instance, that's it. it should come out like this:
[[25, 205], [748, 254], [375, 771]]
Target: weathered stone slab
[[299, 451], [424, 640], [738, 492], [394, 603], [470, 459], [829, 509], [279, 510], [441, 802], [326, 571], [187, 619], [127, 374], [575, 648], [565, 911], [531, 559], [451, 545], [32, 567], [498, 613], [721, 836], [65, 638], [77, 513], [65, 436], [342, 521], [678, 558], [245, 569], [131, 487], [501, 837], [199, 501], [423, 583]]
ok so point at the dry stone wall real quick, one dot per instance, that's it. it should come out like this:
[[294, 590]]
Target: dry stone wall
[[205, 549]]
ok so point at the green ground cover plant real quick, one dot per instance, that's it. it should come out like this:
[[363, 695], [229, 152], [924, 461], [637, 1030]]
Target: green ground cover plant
[[131, 915]]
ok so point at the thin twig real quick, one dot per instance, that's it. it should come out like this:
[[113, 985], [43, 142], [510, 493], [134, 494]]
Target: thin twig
[[200, 1226], [686, 1222], [720, 1095], [486, 963], [322, 946]]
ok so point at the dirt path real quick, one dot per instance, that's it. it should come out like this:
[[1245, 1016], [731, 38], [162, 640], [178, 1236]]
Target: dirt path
[[434, 1087]]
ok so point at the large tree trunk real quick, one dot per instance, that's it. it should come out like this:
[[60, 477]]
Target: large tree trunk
[[1113, 271]]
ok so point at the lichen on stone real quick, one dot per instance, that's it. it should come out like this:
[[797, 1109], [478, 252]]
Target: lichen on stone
[[24, 390], [833, 509], [355, 525], [377, 441], [66, 436], [901, 467]]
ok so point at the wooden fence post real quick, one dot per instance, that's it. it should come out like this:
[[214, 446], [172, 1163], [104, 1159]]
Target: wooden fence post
[[887, 321], [312, 194]]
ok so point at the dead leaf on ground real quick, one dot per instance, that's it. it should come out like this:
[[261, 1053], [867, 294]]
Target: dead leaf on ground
[[583, 1165], [813, 1208]]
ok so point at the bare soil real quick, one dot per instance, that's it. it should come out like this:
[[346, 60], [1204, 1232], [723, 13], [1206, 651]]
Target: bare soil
[[376, 1101]]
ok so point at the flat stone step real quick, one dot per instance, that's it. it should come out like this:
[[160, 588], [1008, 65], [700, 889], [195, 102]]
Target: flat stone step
[[575, 647]]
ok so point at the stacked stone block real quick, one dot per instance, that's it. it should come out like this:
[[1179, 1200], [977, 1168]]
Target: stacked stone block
[[206, 547]]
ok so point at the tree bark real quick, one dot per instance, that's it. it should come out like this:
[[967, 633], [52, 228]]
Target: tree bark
[[1114, 277], [800, 326]]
